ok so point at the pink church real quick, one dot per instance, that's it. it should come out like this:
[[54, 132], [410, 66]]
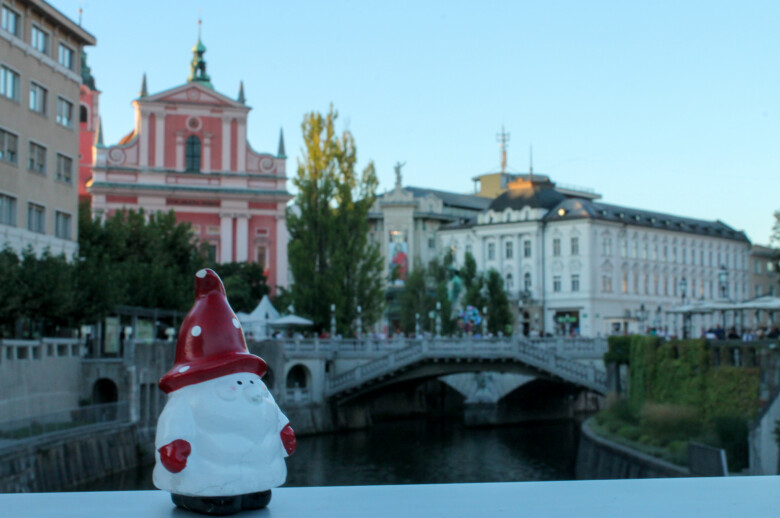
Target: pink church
[[189, 153]]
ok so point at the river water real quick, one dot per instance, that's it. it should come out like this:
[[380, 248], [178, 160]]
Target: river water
[[417, 452]]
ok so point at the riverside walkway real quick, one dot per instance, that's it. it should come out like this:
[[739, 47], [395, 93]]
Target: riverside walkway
[[728, 497]]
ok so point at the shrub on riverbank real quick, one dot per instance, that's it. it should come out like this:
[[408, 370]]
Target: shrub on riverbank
[[679, 394]]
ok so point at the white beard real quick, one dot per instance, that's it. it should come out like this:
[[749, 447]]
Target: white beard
[[233, 430]]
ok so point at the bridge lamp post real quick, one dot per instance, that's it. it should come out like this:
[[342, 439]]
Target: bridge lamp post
[[359, 321], [438, 319], [332, 321], [417, 325], [642, 317], [484, 321]]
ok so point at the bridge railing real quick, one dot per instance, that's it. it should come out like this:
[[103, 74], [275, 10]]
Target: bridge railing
[[15, 431], [373, 347], [545, 359]]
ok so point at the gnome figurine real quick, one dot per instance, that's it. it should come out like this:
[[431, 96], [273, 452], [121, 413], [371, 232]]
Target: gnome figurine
[[221, 438]]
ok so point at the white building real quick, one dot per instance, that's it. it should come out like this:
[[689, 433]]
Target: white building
[[576, 265]]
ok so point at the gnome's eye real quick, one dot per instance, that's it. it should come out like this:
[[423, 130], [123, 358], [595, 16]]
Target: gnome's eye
[[240, 382]]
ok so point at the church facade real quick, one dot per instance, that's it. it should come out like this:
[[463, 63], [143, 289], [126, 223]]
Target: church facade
[[188, 152]]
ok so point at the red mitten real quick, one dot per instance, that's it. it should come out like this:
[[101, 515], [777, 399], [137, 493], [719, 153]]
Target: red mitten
[[288, 439], [174, 455]]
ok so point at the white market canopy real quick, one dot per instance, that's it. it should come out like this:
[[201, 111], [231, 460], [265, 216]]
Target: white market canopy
[[256, 323], [766, 303], [290, 320]]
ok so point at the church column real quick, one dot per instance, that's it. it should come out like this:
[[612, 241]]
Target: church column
[[206, 165], [143, 144], [226, 238], [180, 151], [225, 144], [242, 238], [281, 249], [241, 146], [159, 139]]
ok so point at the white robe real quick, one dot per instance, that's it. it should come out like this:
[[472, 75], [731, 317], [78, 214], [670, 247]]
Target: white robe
[[233, 429]]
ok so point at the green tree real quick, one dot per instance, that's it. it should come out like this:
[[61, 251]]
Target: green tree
[[46, 287], [416, 299], [245, 284], [330, 256], [499, 316], [10, 292]]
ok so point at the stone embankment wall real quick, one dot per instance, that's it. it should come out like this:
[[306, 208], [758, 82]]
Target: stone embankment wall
[[599, 458], [65, 461]]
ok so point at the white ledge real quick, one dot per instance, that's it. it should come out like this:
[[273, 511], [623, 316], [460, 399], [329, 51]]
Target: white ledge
[[754, 497]]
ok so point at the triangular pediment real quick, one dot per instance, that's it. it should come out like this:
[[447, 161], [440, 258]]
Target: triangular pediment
[[193, 93]]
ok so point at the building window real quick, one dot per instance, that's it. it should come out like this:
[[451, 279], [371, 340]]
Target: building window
[[556, 283], [10, 21], [39, 39], [674, 254], [509, 282], [655, 285], [491, 251], [66, 56], [7, 210], [38, 95], [431, 242], [635, 250], [624, 284], [262, 259], [83, 114], [758, 290], [9, 147], [770, 266], [468, 250], [575, 283], [35, 218], [575, 246], [64, 168], [37, 159], [635, 278], [192, 154], [666, 253], [9, 83], [685, 256], [527, 248], [211, 252], [606, 283], [623, 248], [527, 282], [655, 252], [606, 246], [64, 112], [62, 225], [644, 251], [556, 247], [646, 283], [509, 251]]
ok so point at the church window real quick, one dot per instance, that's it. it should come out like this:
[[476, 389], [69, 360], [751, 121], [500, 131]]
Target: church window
[[192, 154]]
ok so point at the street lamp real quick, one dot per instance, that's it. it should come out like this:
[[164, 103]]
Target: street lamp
[[417, 325], [484, 321], [438, 319], [332, 321], [359, 321]]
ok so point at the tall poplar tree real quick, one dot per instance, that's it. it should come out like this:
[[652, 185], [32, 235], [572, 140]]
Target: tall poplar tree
[[330, 256]]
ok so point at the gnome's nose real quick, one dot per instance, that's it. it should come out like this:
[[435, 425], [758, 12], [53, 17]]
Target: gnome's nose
[[253, 393]]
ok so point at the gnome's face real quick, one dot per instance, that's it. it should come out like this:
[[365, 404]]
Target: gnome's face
[[237, 404]]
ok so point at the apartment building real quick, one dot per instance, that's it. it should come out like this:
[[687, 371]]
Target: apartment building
[[40, 77]]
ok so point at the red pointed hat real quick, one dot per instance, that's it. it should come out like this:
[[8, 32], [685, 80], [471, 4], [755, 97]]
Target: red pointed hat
[[211, 343]]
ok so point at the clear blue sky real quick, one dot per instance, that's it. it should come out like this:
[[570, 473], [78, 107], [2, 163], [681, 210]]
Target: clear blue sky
[[665, 105]]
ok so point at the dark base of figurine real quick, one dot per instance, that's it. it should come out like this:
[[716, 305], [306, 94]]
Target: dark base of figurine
[[222, 505]]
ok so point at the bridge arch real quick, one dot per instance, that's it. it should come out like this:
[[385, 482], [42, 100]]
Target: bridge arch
[[298, 377], [104, 390]]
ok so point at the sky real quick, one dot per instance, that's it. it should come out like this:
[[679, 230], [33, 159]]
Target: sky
[[666, 105]]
